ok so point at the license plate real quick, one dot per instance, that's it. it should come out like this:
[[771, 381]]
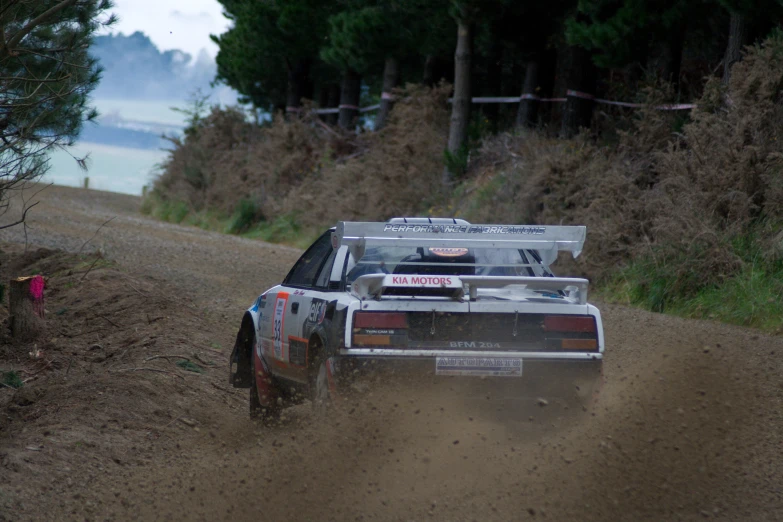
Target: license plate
[[479, 366]]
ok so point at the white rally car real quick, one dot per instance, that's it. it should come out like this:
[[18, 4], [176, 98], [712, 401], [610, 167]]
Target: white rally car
[[454, 298]]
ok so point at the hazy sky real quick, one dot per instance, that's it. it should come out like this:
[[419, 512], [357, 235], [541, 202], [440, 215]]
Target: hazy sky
[[173, 24]]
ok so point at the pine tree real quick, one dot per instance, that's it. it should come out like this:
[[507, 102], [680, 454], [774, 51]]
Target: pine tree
[[270, 51], [46, 76]]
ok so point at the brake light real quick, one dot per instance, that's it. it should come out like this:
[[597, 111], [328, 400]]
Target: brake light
[[380, 320], [569, 323]]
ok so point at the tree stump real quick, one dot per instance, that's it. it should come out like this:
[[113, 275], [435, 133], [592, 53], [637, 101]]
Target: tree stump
[[26, 306]]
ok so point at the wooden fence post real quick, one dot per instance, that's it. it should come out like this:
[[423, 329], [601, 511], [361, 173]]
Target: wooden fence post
[[26, 306]]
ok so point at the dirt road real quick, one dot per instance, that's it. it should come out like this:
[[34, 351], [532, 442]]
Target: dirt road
[[689, 424]]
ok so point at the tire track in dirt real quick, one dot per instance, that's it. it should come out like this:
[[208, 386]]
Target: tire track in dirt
[[689, 425]]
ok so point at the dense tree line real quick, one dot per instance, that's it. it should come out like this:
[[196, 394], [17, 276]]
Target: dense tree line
[[279, 52]]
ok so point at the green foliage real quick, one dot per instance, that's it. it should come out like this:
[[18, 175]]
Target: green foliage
[[457, 162], [621, 32], [190, 366], [266, 41], [366, 32], [12, 379], [284, 229], [195, 112], [171, 211], [245, 216], [751, 297]]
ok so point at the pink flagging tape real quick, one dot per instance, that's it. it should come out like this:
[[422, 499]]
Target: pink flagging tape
[[580, 94], [327, 111], [292, 109], [491, 99], [334, 110], [676, 107], [663, 107], [517, 99], [619, 104]]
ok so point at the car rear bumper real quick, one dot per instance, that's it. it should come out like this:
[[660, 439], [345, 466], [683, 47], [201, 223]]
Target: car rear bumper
[[537, 368], [408, 354], [543, 375]]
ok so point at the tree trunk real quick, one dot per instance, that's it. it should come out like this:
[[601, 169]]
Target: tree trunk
[[460, 109], [26, 306], [391, 76], [428, 78], [333, 103], [494, 85], [349, 99], [737, 34], [580, 95], [323, 100], [673, 62], [298, 76], [527, 114]]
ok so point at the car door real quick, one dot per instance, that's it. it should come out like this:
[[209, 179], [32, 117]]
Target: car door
[[298, 304]]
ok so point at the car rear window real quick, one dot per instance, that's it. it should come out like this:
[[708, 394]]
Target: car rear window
[[446, 261]]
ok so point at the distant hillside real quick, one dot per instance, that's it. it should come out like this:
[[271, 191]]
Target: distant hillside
[[136, 69]]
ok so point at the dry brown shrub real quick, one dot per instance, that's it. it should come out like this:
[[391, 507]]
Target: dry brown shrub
[[393, 172], [299, 166], [678, 198], [227, 159]]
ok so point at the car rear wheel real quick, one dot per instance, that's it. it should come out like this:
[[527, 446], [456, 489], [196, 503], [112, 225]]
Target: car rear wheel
[[264, 400]]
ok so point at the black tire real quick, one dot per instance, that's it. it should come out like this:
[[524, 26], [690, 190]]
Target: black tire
[[259, 411]]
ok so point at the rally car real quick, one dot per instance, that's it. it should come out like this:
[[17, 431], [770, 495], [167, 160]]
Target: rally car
[[454, 299]]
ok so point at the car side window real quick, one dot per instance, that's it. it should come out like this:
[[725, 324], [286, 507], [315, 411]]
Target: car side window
[[323, 276], [305, 270]]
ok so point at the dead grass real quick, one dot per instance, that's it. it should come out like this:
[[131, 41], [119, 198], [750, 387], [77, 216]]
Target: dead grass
[[299, 169]]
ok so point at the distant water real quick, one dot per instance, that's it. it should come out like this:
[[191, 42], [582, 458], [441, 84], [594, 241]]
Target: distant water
[[124, 147], [144, 110], [116, 169]]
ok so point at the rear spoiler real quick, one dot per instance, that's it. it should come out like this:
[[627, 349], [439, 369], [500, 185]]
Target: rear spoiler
[[547, 240], [371, 286]]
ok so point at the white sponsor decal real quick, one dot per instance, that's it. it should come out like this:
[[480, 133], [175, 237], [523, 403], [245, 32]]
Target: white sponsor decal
[[278, 326], [317, 311], [423, 281], [466, 229], [479, 366]]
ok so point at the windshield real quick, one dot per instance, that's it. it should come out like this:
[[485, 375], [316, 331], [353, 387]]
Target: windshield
[[446, 261]]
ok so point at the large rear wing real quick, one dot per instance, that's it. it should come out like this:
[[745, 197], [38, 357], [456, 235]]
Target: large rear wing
[[547, 240]]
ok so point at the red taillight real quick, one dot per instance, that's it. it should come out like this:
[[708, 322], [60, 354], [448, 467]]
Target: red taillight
[[569, 323], [380, 320]]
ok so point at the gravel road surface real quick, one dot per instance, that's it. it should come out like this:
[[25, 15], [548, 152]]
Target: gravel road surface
[[688, 426]]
